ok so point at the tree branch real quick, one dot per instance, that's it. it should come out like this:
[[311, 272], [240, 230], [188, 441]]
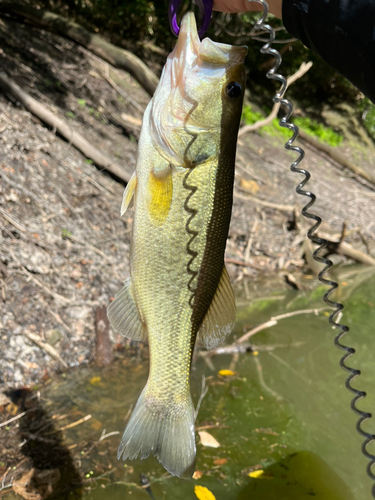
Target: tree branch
[[117, 57], [304, 68], [63, 128]]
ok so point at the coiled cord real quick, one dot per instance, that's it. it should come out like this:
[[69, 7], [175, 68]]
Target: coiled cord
[[343, 329]]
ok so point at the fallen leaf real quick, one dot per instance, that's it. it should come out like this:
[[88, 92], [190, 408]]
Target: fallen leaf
[[203, 493], [208, 440], [226, 373], [96, 425], [96, 381], [20, 486], [32, 366], [250, 186], [256, 473], [220, 461], [197, 474], [12, 409]]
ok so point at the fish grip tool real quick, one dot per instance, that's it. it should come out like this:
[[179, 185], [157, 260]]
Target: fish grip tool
[[261, 25]]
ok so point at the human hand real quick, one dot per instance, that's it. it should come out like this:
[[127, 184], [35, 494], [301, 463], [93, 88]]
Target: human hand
[[245, 6]]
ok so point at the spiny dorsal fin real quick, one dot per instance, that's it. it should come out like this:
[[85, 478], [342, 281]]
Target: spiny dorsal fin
[[129, 193], [221, 315], [123, 314]]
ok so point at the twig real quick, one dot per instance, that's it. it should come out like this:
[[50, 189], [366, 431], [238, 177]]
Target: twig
[[273, 321], [304, 68], [250, 242], [74, 424], [204, 391], [12, 221], [116, 56], [46, 347], [105, 436], [259, 328], [244, 264], [259, 201], [54, 121], [41, 285], [307, 381], [262, 381], [338, 157], [3, 424]]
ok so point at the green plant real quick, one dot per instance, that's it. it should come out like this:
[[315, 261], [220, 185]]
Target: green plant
[[249, 116], [367, 108], [81, 102], [65, 233], [318, 130], [70, 114], [310, 126]]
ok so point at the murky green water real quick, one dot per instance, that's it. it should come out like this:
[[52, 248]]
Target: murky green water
[[281, 401]]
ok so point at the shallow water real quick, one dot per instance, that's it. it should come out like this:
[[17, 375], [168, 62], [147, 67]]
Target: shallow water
[[281, 401]]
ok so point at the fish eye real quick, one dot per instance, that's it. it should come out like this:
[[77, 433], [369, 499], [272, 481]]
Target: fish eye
[[233, 89]]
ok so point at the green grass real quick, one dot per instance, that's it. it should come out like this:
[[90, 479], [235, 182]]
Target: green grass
[[310, 126], [368, 109]]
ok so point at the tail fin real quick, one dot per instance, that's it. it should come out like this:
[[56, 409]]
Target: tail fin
[[167, 432]]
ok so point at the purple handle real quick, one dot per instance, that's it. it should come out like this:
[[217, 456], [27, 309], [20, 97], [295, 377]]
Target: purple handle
[[205, 8]]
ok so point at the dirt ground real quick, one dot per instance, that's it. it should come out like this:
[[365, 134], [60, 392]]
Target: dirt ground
[[64, 247]]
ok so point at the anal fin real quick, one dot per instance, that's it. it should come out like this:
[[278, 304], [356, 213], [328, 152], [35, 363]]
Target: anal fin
[[123, 314], [221, 315]]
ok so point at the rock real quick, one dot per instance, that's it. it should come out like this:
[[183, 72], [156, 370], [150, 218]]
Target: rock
[[78, 312], [53, 336]]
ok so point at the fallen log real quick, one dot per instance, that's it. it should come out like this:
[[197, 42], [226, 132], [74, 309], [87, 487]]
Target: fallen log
[[62, 127], [116, 56], [336, 156]]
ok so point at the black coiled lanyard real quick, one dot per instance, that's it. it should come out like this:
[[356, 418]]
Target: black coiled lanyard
[[312, 235], [205, 7]]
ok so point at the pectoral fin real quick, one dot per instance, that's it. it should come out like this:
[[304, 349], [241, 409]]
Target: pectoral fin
[[123, 314], [221, 316], [160, 187], [128, 194]]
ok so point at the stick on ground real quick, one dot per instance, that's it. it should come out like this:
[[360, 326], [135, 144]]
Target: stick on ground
[[63, 128]]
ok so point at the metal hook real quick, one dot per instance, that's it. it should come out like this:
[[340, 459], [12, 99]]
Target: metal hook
[[205, 9]]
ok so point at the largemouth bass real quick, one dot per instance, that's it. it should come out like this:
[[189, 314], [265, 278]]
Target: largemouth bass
[[178, 288]]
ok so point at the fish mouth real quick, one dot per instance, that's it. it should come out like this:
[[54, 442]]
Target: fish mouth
[[189, 47]]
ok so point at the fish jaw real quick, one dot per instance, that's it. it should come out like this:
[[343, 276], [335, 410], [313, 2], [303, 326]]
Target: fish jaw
[[188, 104]]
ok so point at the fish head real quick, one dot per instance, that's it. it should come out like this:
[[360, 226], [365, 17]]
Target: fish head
[[197, 105]]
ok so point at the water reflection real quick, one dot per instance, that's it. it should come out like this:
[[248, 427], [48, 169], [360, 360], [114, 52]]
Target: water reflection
[[285, 410]]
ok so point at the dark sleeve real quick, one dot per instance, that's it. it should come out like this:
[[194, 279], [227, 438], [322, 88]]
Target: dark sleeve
[[342, 32]]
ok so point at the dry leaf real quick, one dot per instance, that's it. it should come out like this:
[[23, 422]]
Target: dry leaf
[[226, 373], [250, 186], [96, 425], [220, 461], [197, 474], [20, 486], [208, 440], [203, 493], [256, 474], [96, 381]]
